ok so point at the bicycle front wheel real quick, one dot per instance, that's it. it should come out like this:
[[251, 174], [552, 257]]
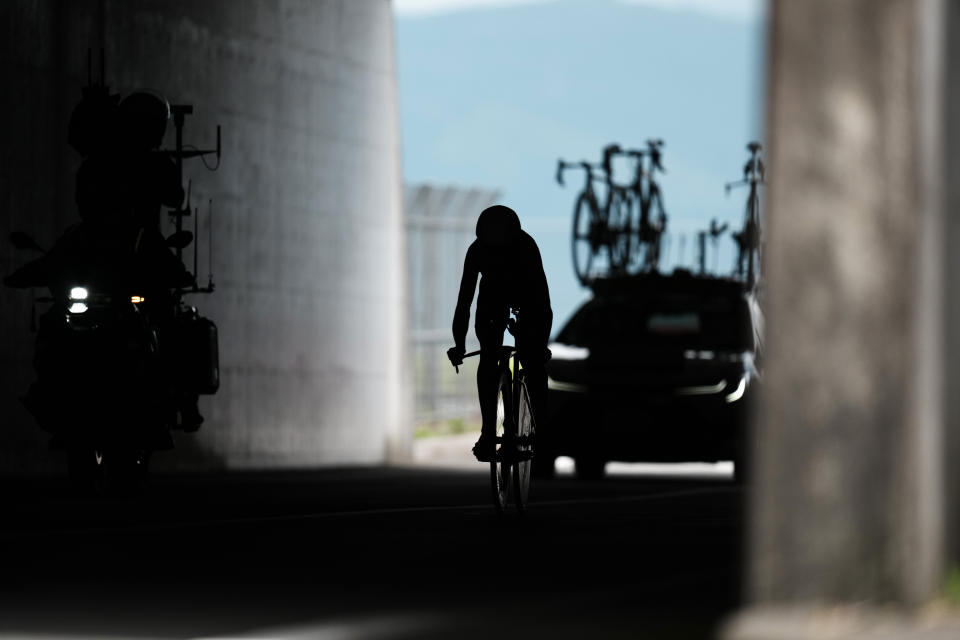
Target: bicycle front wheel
[[524, 453], [500, 465]]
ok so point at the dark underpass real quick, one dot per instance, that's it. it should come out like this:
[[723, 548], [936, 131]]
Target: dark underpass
[[371, 552]]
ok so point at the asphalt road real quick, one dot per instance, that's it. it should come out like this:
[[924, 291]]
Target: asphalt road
[[371, 553]]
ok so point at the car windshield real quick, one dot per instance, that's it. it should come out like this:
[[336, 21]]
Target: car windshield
[[713, 323]]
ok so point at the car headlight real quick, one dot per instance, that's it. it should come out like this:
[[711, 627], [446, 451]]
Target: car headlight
[[738, 392], [702, 390], [568, 352], [78, 293], [569, 387]]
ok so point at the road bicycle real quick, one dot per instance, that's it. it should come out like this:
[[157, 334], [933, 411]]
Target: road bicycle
[[748, 238], [510, 470], [713, 232], [599, 229], [644, 195]]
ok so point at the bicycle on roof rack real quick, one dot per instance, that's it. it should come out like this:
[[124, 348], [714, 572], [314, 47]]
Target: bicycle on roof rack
[[748, 239], [713, 233], [599, 229], [644, 196]]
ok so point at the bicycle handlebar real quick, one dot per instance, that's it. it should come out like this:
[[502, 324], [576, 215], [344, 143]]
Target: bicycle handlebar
[[608, 152], [582, 164], [742, 183], [611, 149], [511, 327], [653, 151]]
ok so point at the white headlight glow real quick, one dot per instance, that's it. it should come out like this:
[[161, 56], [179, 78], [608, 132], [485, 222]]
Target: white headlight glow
[[568, 352], [738, 392], [569, 387], [78, 307], [78, 293]]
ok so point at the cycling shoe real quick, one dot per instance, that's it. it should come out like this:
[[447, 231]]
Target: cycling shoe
[[485, 449]]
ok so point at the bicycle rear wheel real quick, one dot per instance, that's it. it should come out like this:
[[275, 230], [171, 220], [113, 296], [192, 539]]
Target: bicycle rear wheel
[[500, 465], [524, 449]]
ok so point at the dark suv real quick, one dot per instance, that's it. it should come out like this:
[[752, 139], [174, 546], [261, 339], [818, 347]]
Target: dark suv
[[653, 368]]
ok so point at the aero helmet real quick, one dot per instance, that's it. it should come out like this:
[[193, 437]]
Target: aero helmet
[[498, 226]]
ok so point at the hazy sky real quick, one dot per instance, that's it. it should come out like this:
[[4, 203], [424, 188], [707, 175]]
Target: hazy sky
[[732, 9], [492, 92]]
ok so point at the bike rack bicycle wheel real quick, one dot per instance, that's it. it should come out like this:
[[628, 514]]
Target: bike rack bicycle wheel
[[619, 234], [585, 243]]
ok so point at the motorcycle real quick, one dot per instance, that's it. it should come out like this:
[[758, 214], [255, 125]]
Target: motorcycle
[[120, 362], [120, 358]]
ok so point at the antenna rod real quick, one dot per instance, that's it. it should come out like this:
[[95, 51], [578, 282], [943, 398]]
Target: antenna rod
[[210, 252], [178, 123], [196, 239]]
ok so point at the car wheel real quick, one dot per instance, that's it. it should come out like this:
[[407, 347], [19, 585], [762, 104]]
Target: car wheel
[[589, 468]]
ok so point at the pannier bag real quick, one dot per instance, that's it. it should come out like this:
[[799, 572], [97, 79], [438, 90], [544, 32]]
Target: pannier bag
[[199, 356]]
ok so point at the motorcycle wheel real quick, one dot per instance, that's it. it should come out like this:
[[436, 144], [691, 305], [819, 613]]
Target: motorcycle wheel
[[86, 471], [126, 472]]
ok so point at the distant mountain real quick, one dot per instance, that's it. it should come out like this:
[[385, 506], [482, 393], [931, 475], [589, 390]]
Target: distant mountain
[[493, 97]]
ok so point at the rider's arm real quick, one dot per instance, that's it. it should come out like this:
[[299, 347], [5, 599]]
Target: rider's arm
[[468, 286], [538, 289]]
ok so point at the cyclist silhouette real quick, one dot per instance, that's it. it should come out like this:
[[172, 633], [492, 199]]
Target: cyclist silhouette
[[512, 273]]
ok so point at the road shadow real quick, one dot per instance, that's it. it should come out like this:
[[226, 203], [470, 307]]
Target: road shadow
[[420, 551]]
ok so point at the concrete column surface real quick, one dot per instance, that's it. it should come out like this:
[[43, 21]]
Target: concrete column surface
[[847, 503], [307, 230]]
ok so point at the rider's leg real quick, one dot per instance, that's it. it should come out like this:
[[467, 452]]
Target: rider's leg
[[490, 334], [535, 334]]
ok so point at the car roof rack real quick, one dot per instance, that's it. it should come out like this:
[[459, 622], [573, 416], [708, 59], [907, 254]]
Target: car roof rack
[[679, 281]]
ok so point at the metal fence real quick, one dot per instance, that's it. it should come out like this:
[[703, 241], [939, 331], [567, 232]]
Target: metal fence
[[440, 223]]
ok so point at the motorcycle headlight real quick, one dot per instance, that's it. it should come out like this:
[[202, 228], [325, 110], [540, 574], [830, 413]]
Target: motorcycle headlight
[[78, 307], [79, 293]]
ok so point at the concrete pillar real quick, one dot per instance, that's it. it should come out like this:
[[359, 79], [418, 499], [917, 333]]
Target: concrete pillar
[[949, 170], [308, 234], [848, 501]]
